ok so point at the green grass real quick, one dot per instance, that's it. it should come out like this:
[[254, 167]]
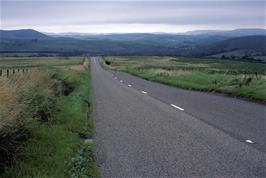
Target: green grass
[[26, 62], [54, 148], [232, 77]]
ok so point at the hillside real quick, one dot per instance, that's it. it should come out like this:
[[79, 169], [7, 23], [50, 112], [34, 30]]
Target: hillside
[[245, 46], [229, 33], [70, 46], [109, 44], [30, 41], [22, 34], [177, 39]]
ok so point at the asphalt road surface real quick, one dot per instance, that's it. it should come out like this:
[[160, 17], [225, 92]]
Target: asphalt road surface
[[145, 129]]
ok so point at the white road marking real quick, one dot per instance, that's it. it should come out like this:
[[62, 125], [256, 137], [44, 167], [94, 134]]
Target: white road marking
[[144, 92], [249, 141], [121, 81], [177, 107], [129, 85]]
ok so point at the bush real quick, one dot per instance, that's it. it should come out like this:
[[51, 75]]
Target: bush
[[107, 62]]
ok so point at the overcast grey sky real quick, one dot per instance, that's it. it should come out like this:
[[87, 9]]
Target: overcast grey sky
[[131, 16]]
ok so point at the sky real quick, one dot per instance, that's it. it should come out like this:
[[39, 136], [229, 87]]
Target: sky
[[125, 16]]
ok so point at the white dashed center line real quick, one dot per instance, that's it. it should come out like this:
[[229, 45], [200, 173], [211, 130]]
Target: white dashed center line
[[144, 92], [250, 141], [129, 85], [177, 107], [121, 81]]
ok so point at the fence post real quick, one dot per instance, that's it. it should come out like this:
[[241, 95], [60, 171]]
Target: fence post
[[0, 72], [13, 71], [7, 73]]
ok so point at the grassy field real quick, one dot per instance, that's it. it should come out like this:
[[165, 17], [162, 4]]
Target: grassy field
[[46, 120], [29, 62], [232, 77]]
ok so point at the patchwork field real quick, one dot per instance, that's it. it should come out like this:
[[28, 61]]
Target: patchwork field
[[232, 77], [44, 119]]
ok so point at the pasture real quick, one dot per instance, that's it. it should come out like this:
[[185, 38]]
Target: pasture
[[231, 77]]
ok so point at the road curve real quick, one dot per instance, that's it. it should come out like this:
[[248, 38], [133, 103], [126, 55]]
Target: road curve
[[139, 135]]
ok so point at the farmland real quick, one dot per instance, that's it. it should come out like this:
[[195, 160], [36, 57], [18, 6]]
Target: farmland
[[29, 62], [236, 78], [44, 119]]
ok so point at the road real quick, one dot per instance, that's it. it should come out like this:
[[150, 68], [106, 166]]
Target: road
[[145, 129]]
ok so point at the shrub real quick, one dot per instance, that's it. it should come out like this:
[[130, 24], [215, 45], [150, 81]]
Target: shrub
[[107, 62]]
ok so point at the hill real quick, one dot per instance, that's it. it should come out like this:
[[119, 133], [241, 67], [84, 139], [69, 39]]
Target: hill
[[247, 46], [174, 40], [229, 33], [30, 41], [22, 34]]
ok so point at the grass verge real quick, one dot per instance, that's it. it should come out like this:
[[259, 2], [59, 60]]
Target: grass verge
[[54, 147], [236, 78]]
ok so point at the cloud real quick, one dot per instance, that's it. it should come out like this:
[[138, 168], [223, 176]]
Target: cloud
[[95, 14]]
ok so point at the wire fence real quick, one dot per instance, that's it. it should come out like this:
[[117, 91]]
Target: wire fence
[[8, 72]]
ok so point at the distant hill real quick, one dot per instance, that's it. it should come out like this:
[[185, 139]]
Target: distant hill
[[238, 47], [22, 34], [174, 39], [70, 46], [229, 33], [163, 40], [201, 45], [109, 44]]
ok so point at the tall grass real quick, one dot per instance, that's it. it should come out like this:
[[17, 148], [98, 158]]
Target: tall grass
[[17, 94], [48, 107]]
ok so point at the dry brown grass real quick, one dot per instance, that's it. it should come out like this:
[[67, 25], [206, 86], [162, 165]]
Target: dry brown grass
[[78, 67], [13, 91], [175, 73], [86, 63], [15, 94]]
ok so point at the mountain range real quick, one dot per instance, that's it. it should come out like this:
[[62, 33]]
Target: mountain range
[[235, 44]]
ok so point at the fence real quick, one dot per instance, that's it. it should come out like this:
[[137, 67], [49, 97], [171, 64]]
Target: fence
[[8, 72]]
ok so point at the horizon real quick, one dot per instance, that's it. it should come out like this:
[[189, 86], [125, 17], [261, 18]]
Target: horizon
[[105, 17], [185, 32]]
